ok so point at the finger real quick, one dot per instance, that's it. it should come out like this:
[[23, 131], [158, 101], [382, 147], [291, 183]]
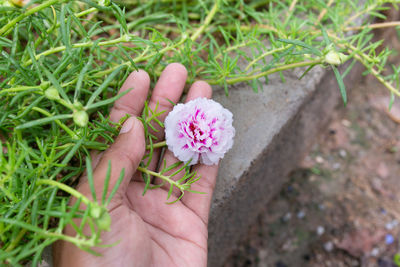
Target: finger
[[200, 203], [95, 155], [124, 154], [132, 103], [168, 88], [198, 89]]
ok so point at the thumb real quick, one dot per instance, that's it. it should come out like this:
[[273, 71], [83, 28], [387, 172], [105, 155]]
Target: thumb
[[124, 154]]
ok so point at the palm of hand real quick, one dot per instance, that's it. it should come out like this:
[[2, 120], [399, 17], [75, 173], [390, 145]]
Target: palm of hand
[[168, 236], [147, 231]]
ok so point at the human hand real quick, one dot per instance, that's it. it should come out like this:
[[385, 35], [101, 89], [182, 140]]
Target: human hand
[[149, 232]]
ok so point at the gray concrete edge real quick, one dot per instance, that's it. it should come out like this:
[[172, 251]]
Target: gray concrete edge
[[232, 214]]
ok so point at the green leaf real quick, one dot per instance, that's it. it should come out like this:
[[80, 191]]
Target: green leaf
[[396, 259], [81, 76], [116, 186], [307, 70], [103, 86], [64, 30], [55, 83], [108, 101], [43, 121], [325, 36], [392, 96], [89, 173], [313, 50], [341, 84], [106, 183]]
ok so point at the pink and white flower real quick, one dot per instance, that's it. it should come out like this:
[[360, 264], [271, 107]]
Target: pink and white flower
[[201, 130]]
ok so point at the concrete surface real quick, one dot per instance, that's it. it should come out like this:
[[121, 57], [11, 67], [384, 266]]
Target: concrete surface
[[274, 129]]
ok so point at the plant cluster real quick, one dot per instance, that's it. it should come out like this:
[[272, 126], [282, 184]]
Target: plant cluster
[[62, 63]]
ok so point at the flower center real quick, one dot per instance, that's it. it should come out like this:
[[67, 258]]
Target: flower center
[[198, 132]]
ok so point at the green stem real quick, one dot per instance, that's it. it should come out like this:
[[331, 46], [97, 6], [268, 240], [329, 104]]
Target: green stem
[[140, 58], [8, 194], [121, 39], [163, 177], [62, 125], [18, 89], [85, 12], [206, 22], [373, 26], [4, 30], [352, 48], [78, 15], [358, 14], [323, 12], [157, 145], [363, 59], [268, 72], [379, 77], [289, 12], [267, 53], [65, 188], [15, 242]]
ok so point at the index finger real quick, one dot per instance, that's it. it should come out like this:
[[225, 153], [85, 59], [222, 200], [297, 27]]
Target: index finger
[[132, 103], [168, 89]]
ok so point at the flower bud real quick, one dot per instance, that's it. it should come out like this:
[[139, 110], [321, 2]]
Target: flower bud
[[335, 58], [52, 93], [104, 2], [95, 211], [81, 118], [78, 105], [104, 222]]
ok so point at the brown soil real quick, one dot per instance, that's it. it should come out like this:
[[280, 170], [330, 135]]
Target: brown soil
[[342, 206]]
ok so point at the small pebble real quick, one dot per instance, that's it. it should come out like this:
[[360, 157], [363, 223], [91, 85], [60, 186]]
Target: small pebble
[[336, 166], [320, 230], [290, 188], [319, 159], [301, 214], [355, 263], [280, 264], [342, 153], [306, 257], [287, 217], [346, 123], [385, 263], [375, 252], [313, 178], [263, 254], [389, 239], [328, 246], [391, 225]]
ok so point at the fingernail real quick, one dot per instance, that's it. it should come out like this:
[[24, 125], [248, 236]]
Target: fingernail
[[127, 125]]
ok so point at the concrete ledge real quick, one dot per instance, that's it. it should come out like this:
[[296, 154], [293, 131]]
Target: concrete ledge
[[275, 128]]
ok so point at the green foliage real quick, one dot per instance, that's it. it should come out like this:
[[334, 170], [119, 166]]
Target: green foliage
[[62, 63], [396, 259]]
